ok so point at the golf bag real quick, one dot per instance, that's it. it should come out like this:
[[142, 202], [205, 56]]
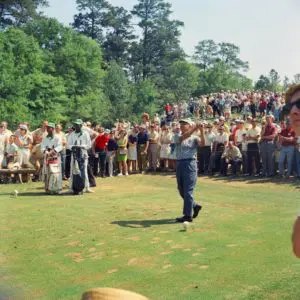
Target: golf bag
[[78, 174]]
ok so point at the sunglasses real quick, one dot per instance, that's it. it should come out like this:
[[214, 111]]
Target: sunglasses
[[288, 107]]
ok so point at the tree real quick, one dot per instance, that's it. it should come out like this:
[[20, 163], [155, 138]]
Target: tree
[[159, 45], [263, 83], [206, 53], [297, 78], [182, 80], [117, 90], [18, 12], [229, 54], [286, 83], [90, 20], [274, 80], [118, 36]]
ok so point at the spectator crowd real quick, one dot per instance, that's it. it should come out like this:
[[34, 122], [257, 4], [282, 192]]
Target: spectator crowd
[[241, 134]]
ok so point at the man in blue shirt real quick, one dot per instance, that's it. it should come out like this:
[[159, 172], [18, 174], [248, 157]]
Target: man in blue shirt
[[186, 168]]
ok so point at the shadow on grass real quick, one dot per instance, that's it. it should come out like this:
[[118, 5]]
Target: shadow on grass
[[143, 223], [259, 180]]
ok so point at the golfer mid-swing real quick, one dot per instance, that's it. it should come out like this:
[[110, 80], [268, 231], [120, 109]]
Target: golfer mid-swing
[[186, 167]]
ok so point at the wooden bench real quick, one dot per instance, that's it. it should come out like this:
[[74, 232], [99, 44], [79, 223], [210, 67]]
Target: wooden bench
[[24, 175]]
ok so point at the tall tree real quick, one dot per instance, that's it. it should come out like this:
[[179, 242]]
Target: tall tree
[[119, 34], [229, 54], [286, 82], [160, 44], [18, 12], [263, 83], [90, 20], [206, 53], [117, 90], [274, 80]]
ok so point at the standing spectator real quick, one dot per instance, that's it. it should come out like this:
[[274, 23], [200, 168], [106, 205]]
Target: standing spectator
[[111, 148], [100, 150], [252, 108], [207, 138], [39, 134], [267, 147], [165, 141], [3, 145], [122, 141], [24, 142], [6, 131], [143, 144], [253, 137], [220, 142], [153, 148], [132, 149], [262, 107], [79, 141], [287, 150], [63, 141]]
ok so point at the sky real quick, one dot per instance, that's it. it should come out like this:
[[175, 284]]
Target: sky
[[267, 31]]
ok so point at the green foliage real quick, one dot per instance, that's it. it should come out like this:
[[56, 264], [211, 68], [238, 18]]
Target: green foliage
[[159, 45], [145, 99], [270, 82], [117, 91], [182, 80], [221, 77], [90, 20], [50, 72], [18, 12]]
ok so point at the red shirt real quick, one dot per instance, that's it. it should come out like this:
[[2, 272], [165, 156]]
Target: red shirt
[[263, 104], [168, 108], [270, 130], [101, 141], [288, 133]]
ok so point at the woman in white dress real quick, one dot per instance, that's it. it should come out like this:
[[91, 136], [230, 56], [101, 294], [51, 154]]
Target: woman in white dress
[[165, 150], [132, 150]]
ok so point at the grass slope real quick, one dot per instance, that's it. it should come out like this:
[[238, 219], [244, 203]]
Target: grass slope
[[123, 236]]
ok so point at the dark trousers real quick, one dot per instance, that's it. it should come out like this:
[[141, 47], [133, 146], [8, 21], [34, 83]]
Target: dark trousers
[[253, 154], [235, 165], [100, 161], [219, 151], [204, 158], [68, 163], [186, 174]]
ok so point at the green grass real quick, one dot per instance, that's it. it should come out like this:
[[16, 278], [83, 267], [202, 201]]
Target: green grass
[[122, 236]]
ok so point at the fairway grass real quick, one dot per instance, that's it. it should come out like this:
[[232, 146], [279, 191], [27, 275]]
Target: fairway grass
[[124, 236]]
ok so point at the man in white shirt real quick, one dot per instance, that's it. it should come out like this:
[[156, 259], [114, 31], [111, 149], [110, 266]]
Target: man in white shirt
[[51, 147], [220, 142], [79, 142]]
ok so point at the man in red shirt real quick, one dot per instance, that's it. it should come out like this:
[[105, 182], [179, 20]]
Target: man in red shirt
[[267, 147], [287, 150], [100, 153], [168, 108]]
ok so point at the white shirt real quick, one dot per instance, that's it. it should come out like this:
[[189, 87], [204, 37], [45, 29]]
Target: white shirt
[[239, 135], [3, 140], [209, 138], [221, 139], [253, 133], [54, 142], [81, 139]]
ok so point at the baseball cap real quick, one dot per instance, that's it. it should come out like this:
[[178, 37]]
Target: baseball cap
[[51, 125], [78, 122], [187, 121]]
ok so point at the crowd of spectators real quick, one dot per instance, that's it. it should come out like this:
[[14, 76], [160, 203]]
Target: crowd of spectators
[[242, 134]]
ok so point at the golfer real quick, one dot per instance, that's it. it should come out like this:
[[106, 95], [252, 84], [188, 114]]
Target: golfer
[[186, 167]]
